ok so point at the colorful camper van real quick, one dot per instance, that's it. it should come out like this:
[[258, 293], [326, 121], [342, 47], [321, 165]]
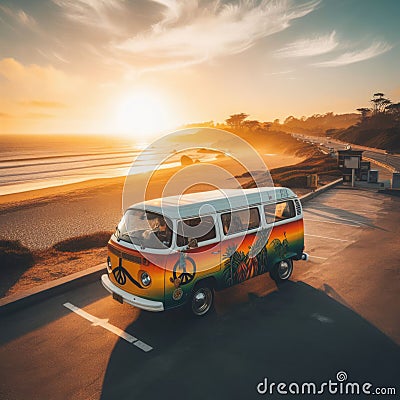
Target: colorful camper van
[[178, 250]]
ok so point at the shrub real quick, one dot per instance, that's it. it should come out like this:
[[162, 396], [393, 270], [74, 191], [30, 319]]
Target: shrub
[[84, 242], [15, 255]]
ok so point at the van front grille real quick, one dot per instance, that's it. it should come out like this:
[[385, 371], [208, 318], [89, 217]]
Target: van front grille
[[130, 257]]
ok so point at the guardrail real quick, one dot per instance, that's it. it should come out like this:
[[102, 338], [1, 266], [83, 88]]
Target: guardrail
[[381, 164], [322, 189]]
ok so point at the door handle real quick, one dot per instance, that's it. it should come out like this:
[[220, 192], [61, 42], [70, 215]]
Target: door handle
[[216, 252]]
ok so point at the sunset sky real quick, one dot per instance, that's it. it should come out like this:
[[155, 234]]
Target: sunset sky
[[145, 66]]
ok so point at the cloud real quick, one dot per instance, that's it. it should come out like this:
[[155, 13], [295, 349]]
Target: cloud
[[60, 58], [284, 72], [19, 16], [5, 115], [46, 77], [42, 104], [18, 82], [25, 19], [188, 33], [309, 47], [182, 32], [93, 13], [63, 97], [376, 49], [38, 116], [52, 56], [27, 115]]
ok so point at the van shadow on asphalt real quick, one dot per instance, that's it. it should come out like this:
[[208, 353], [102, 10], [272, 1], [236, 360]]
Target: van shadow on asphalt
[[295, 334]]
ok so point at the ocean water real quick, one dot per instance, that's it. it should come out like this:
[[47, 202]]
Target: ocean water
[[29, 162]]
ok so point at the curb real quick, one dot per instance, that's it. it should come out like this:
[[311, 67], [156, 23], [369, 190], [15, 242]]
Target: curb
[[309, 196], [90, 275], [52, 288], [391, 192]]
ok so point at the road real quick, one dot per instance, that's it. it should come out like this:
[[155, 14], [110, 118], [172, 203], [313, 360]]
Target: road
[[339, 312], [392, 160]]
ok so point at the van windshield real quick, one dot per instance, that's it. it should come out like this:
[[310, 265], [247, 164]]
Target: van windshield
[[145, 229]]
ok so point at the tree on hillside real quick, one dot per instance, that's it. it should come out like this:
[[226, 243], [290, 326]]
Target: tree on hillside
[[364, 112], [382, 107], [379, 103], [317, 124], [206, 124], [394, 109], [236, 120], [251, 124], [289, 119], [267, 125], [383, 115]]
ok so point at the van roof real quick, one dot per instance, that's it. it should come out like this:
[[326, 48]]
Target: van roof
[[194, 204]]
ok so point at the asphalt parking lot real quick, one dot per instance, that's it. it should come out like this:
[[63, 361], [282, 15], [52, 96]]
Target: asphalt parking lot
[[339, 312], [336, 219]]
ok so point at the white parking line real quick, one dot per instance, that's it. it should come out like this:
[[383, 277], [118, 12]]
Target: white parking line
[[321, 258], [344, 219], [331, 222], [321, 208], [326, 237], [111, 328]]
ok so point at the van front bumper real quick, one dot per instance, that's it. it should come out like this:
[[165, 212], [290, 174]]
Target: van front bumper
[[136, 301]]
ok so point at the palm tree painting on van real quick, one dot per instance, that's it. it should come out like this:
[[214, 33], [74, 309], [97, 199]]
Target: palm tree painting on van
[[235, 266], [260, 252], [252, 267], [280, 248], [240, 266]]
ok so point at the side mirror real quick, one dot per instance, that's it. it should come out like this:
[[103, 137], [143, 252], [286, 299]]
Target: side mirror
[[192, 243]]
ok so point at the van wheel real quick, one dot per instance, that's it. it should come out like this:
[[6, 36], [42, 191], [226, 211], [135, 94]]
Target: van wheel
[[282, 271], [202, 299]]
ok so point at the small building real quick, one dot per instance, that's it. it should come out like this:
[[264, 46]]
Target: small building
[[365, 167], [347, 161]]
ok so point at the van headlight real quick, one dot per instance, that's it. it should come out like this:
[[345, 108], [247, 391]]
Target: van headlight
[[109, 265], [145, 278]]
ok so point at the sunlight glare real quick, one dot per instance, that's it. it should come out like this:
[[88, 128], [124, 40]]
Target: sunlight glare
[[142, 114]]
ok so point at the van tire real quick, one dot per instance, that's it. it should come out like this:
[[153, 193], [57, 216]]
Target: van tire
[[282, 271], [201, 300]]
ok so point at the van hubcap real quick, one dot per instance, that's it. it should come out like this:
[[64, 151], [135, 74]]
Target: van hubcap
[[202, 300], [284, 270]]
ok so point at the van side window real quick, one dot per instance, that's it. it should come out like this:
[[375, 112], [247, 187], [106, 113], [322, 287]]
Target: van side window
[[239, 221], [279, 211], [269, 211], [202, 229]]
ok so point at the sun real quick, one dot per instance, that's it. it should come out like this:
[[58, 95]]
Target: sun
[[142, 114]]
